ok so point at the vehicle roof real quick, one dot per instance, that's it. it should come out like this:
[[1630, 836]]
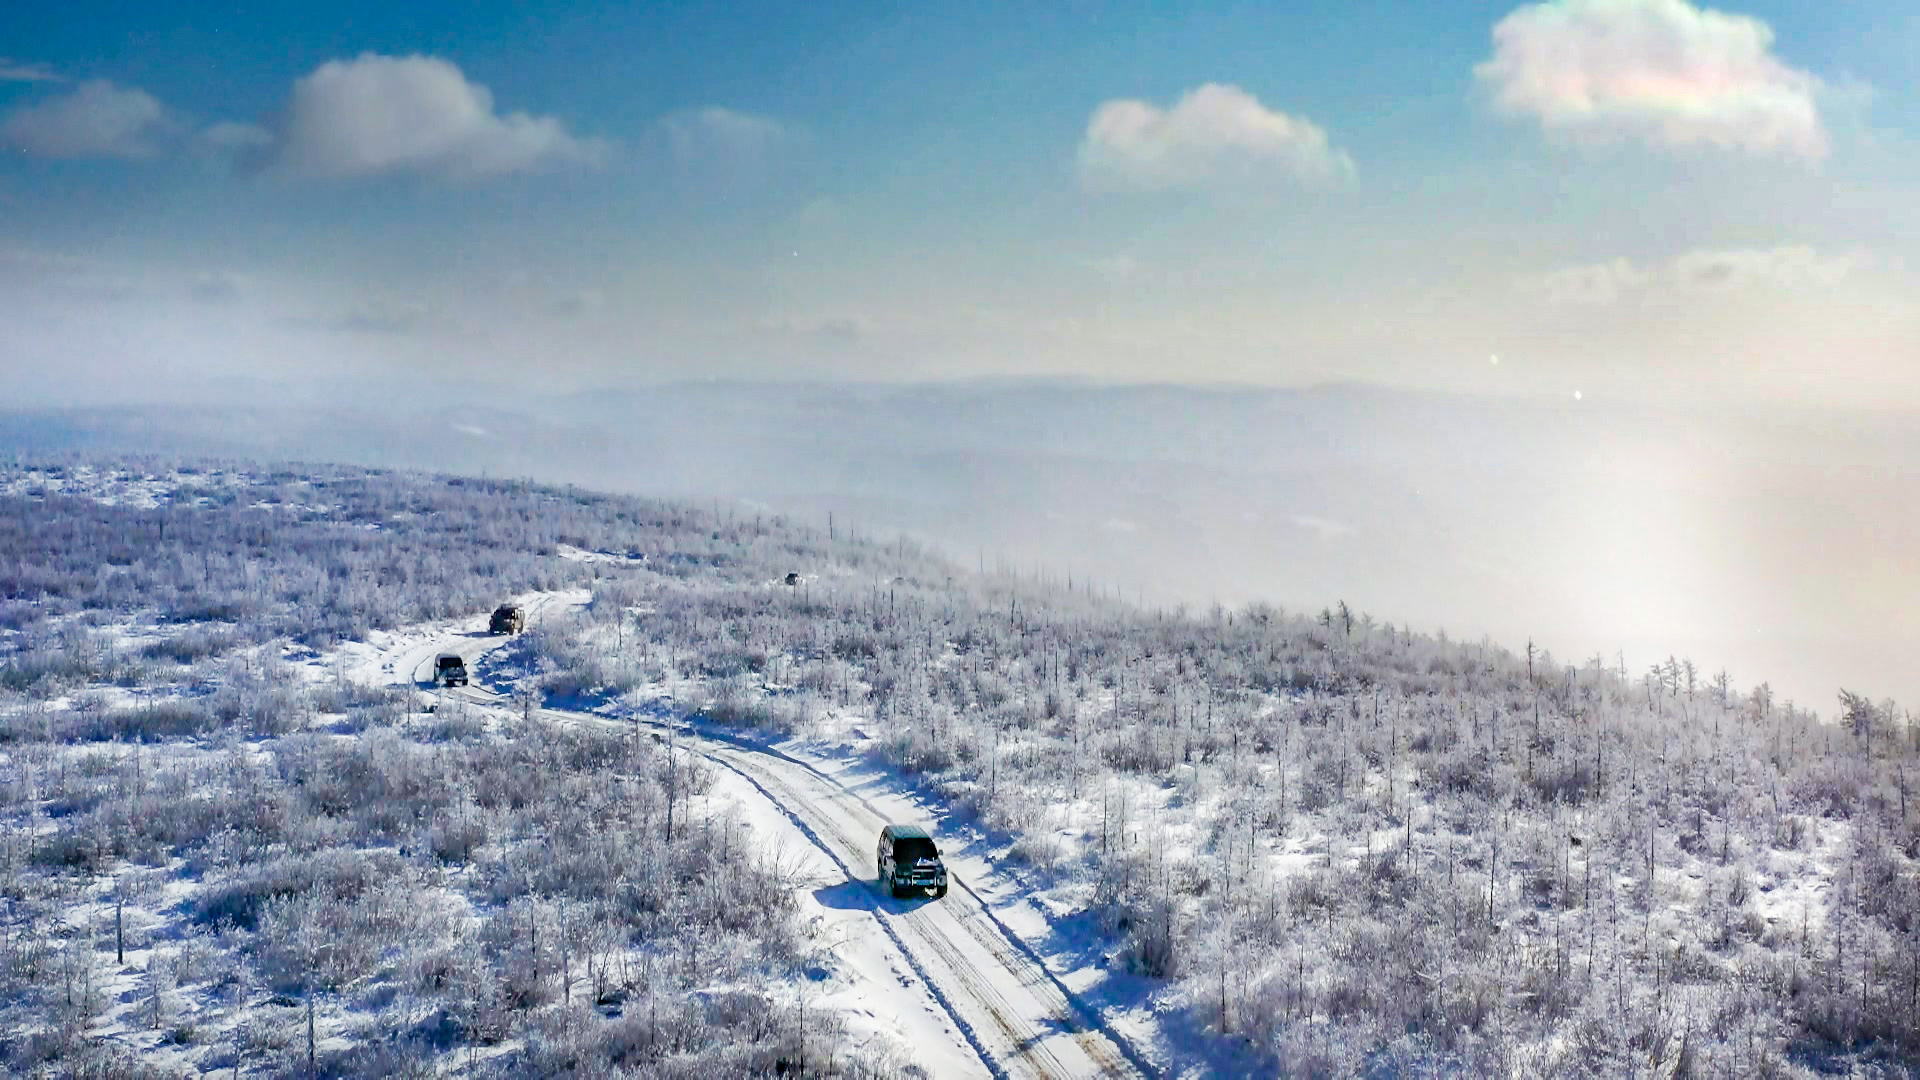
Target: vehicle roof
[[908, 832], [451, 656], [506, 607]]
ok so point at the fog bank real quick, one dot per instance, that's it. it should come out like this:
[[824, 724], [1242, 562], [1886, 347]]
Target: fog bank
[[1779, 546]]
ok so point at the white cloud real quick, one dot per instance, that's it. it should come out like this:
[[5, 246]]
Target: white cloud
[[97, 119], [380, 115], [699, 136], [20, 71], [1214, 136], [1663, 72], [1793, 267]]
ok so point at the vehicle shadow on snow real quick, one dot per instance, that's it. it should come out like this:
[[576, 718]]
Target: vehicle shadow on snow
[[865, 896]]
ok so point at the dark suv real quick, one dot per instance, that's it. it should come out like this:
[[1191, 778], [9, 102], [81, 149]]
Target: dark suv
[[907, 859], [450, 670], [507, 619]]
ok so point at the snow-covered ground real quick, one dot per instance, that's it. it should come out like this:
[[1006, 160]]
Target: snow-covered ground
[[125, 487], [1048, 810], [885, 1004], [398, 657], [980, 982]]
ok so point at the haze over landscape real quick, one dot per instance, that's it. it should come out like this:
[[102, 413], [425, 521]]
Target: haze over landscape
[[1771, 543]]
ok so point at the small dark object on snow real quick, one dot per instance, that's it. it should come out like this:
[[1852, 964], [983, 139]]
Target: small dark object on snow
[[1574, 840], [907, 859], [793, 578], [507, 619]]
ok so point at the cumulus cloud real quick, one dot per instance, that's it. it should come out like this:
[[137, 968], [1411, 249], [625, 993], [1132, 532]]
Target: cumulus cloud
[[96, 120], [1662, 72], [383, 115], [1693, 273], [1214, 136], [19, 71]]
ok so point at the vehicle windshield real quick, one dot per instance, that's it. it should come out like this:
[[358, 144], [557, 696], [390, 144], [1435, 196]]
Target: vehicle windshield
[[914, 850], [452, 662]]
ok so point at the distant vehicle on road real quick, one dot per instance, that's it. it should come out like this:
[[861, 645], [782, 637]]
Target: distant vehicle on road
[[450, 670], [907, 859], [507, 619]]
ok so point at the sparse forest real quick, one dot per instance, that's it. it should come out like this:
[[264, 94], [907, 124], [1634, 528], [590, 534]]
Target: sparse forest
[[1326, 844], [1348, 847], [214, 860]]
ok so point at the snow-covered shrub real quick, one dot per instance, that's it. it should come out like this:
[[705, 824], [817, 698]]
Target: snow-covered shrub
[[1430, 856]]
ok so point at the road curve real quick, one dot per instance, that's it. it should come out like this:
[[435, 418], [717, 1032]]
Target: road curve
[[1015, 1014]]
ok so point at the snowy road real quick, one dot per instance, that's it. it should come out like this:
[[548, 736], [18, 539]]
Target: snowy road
[[1014, 1018], [1015, 1012]]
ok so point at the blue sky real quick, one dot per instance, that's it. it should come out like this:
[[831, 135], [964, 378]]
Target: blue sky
[[1611, 195]]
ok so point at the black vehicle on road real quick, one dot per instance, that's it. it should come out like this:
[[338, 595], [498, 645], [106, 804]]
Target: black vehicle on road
[[907, 859], [507, 619]]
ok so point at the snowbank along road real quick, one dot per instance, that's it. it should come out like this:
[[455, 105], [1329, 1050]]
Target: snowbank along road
[[1017, 1018]]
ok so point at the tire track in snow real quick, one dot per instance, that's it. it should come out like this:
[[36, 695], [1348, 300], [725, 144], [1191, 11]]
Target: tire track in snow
[[1063, 1016], [1012, 954], [485, 696], [933, 987], [1028, 1044], [1031, 1046], [1112, 1053], [1065, 1013]]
